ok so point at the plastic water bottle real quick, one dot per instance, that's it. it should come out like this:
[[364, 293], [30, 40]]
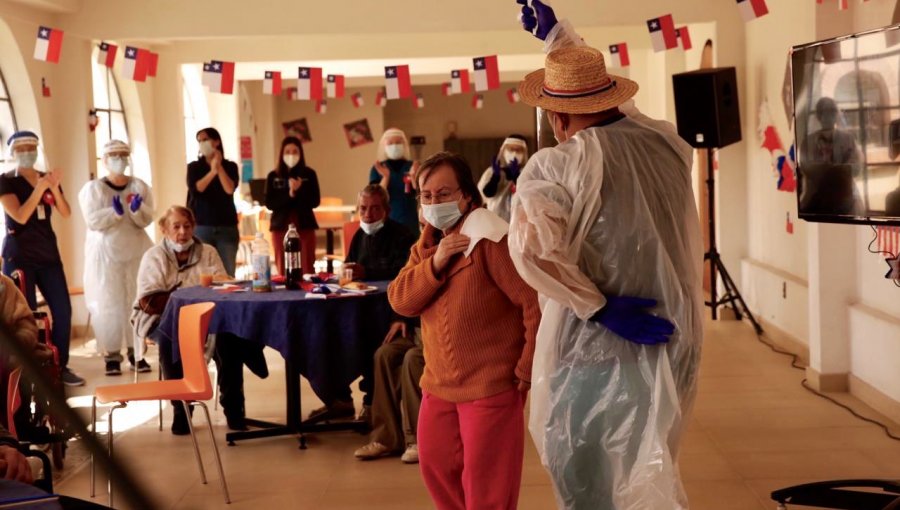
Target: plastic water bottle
[[292, 270], [262, 270]]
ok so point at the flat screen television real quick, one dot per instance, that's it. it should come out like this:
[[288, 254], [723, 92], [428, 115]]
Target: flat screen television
[[846, 94]]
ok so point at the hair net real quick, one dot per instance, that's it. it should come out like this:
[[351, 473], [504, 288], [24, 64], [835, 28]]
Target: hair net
[[389, 133]]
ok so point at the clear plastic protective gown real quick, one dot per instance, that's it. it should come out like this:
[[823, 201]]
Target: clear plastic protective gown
[[611, 211]]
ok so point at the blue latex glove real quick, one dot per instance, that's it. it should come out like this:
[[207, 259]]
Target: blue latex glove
[[495, 166], [136, 203], [513, 170], [626, 317], [537, 18], [117, 205]]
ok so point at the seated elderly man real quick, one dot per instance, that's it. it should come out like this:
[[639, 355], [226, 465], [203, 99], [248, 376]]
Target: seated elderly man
[[377, 252], [178, 261]]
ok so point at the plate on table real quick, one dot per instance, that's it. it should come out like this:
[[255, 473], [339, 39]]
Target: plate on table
[[358, 287]]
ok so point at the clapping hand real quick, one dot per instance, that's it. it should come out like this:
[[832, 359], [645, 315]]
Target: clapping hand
[[117, 205], [53, 179], [382, 169], [295, 184], [513, 170], [136, 202], [627, 317], [495, 166], [537, 18]]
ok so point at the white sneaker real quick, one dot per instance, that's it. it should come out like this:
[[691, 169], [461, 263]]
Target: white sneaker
[[411, 455], [371, 451]]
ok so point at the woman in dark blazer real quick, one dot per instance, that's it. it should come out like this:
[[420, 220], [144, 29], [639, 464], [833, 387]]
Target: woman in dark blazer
[[292, 192]]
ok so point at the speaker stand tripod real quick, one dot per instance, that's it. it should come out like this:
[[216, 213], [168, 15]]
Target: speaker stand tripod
[[732, 296]]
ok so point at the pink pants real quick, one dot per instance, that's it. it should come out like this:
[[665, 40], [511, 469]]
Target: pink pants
[[470, 453]]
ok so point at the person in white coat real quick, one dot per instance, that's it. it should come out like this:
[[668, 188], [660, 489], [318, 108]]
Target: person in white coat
[[117, 208], [498, 183], [605, 228]]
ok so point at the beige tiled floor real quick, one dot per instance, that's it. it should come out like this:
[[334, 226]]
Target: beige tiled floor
[[753, 430]]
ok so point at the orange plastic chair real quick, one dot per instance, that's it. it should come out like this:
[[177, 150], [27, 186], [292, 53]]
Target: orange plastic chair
[[350, 229], [192, 389]]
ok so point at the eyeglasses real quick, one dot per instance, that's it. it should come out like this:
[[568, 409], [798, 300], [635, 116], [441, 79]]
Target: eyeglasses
[[436, 198]]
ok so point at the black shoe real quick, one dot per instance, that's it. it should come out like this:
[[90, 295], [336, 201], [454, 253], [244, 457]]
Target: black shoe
[[113, 368], [180, 425], [141, 366], [236, 422], [256, 362], [70, 379]]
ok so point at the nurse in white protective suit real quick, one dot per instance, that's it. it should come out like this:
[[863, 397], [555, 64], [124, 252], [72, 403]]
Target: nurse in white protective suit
[[498, 183], [605, 228], [117, 208]]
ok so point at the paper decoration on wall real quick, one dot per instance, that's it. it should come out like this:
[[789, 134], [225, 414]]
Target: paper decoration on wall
[[93, 120], [619, 54], [685, 37], [246, 147], [335, 86], [478, 101], [893, 268], [662, 33], [321, 106], [487, 73], [752, 9], [843, 5], [272, 83], [291, 93], [397, 83], [107, 54], [789, 226], [357, 100], [380, 98], [219, 76], [783, 161], [419, 101], [309, 83], [152, 63], [298, 128], [888, 240], [459, 81], [136, 64], [358, 133], [48, 45], [246, 170], [512, 95], [45, 89], [446, 89]]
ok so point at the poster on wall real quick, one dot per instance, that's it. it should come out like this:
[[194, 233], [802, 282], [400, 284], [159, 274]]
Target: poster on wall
[[358, 133], [298, 128]]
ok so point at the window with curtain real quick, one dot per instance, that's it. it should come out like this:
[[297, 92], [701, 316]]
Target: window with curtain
[[110, 112]]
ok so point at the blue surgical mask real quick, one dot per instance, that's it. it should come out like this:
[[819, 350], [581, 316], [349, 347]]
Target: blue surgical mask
[[442, 216], [26, 159]]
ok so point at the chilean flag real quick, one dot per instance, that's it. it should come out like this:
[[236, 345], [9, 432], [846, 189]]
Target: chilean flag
[[752, 9], [662, 33], [513, 96], [685, 37], [335, 86], [48, 45], [459, 81], [478, 101], [380, 99], [107, 54], [419, 101], [152, 63], [619, 53], [136, 64], [487, 73], [220, 77], [843, 5], [357, 100], [397, 82], [272, 83], [321, 106], [446, 89], [309, 84]]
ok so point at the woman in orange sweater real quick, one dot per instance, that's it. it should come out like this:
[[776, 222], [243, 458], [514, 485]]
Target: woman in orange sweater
[[479, 321]]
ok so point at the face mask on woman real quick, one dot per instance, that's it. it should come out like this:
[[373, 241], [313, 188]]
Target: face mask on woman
[[442, 216], [290, 160], [206, 148], [179, 247], [371, 228], [395, 150], [26, 159], [116, 165]]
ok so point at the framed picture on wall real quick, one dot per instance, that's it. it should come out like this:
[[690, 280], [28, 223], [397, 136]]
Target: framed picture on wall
[[358, 133], [298, 128]]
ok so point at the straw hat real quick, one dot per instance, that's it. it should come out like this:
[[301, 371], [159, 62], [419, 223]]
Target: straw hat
[[575, 81]]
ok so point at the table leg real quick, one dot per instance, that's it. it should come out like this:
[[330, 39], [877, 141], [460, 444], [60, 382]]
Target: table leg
[[329, 248]]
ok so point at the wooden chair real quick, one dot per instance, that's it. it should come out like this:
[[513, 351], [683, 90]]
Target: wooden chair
[[192, 389]]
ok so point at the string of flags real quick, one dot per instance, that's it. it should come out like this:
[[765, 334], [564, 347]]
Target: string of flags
[[888, 240]]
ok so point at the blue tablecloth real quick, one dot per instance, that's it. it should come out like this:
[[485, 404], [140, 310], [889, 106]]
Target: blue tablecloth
[[328, 340]]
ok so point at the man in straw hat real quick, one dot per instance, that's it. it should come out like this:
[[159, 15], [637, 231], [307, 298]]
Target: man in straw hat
[[605, 228]]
